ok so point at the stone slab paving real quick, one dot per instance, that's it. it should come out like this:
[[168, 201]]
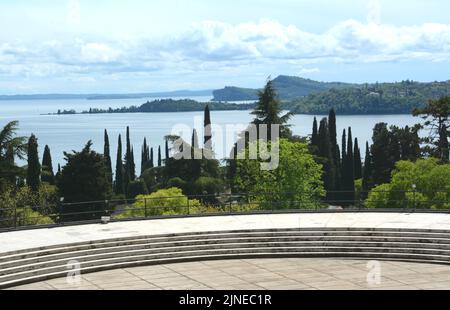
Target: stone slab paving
[[260, 274], [17, 240]]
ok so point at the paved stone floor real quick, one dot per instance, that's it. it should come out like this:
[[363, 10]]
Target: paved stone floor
[[248, 274]]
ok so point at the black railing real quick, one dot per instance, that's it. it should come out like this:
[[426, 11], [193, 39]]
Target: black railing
[[176, 206]]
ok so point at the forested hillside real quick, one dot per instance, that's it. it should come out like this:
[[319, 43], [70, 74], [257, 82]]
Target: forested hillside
[[385, 98]]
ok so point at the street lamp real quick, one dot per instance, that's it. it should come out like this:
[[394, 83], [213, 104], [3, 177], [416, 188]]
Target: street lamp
[[414, 195]]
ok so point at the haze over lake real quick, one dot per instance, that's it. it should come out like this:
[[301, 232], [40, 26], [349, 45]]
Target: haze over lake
[[71, 132]]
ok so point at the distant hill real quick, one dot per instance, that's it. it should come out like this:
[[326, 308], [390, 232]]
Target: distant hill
[[288, 88], [383, 98], [178, 93]]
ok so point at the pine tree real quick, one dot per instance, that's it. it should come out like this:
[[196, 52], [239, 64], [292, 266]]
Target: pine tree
[[268, 111], [47, 167], [358, 161], [159, 157], [107, 156], [34, 167], [119, 183]]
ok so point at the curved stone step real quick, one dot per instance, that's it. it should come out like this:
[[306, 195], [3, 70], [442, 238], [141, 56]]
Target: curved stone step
[[317, 235], [223, 243]]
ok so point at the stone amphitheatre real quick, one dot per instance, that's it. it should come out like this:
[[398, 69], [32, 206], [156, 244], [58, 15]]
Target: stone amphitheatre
[[328, 250]]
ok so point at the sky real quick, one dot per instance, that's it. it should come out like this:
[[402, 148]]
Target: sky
[[113, 46]]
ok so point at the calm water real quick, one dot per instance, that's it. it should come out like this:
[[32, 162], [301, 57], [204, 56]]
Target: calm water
[[71, 132]]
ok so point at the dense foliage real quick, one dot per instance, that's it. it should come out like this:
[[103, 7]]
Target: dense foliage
[[426, 182], [385, 98]]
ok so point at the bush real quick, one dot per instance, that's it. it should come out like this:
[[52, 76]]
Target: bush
[[169, 201]]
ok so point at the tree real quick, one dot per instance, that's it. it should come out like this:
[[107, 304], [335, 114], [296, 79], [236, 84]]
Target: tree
[[137, 187], [11, 146], [107, 155], [207, 130], [333, 135], [34, 167], [296, 183], [159, 157], [151, 158], [350, 170], [381, 158], [357, 161], [324, 152], [47, 167], [367, 182], [119, 183], [315, 135], [130, 170], [437, 113], [145, 156], [430, 178], [167, 151], [84, 179], [268, 111]]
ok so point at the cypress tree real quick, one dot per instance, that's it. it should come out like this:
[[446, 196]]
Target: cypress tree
[[144, 156], [333, 134], [34, 167], [159, 157], [343, 162], [119, 183], [167, 150], [107, 156], [207, 129], [194, 143], [315, 136], [47, 167], [358, 161], [350, 175], [367, 183], [151, 159], [325, 153]]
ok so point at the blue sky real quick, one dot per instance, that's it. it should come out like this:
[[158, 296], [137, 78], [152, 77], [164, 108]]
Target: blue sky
[[109, 46]]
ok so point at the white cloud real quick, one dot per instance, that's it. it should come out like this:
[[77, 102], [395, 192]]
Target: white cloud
[[212, 46]]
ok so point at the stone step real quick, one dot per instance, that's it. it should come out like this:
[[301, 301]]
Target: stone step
[[314, 235], [225, 243], [55, 266]]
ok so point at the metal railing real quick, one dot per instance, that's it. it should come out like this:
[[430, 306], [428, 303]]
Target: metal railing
[[181, 206]]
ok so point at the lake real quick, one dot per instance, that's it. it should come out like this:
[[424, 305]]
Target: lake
[[71, 132]]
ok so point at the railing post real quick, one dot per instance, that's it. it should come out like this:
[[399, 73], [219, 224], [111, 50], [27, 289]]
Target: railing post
[[187, 202]]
